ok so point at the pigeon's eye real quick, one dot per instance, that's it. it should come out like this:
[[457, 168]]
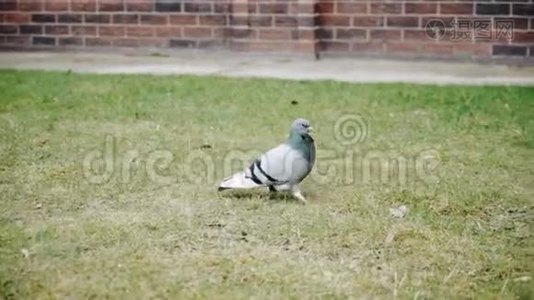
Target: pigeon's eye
[[305, 125]]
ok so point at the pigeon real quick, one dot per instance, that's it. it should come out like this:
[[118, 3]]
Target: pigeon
[[281, 168]]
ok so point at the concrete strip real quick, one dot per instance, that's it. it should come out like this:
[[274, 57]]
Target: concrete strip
[[361, 70]]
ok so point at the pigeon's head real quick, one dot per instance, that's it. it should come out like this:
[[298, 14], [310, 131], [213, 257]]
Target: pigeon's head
[[301, 127]]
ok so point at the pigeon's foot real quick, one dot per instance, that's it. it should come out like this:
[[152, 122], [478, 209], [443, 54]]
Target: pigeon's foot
[[301, 199], [297, 194]]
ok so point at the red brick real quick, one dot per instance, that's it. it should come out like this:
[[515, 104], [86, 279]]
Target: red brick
[[456, 8], [36, 5], [18, 40], [439, 48], [325, 33], [183, 20], [306, 21], [325, 7], [69, 18], [368, 21], [303, 34], [286, 21], [242, 20], [240, 8], [334, 20], [385, 34], [17, 18], [301, 8], [420, 8], [57, 29], [402, 21], [212, 20], [56, 5], [386, 8], [8, 29], [83, 5], [519, 23], [220, 33], [523, 37], [351, 8], [44, 40], [273, 8], [335, 46], [140, 31], [125, 19], [197, 32], [416, 35], [111, 31], [200, 7], [70, 41], [98, 18], [260, 21], [306, 47], [8, 5], [275, 34], [168, 31], [43, 18], [110, 5], [139, 5], [95, 42], [243, 33], [154, 19], [83, 30], [30, 29], [221, 8], [480, 49], [351, 34]]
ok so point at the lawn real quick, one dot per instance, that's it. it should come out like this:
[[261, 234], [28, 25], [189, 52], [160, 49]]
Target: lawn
[[108, 189]]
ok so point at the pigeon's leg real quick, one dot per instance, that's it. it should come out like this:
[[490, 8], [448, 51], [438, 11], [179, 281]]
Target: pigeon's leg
[[282, 187], [297, 194]]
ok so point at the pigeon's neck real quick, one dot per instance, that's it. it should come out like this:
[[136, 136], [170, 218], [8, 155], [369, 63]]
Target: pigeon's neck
[[300, 143]]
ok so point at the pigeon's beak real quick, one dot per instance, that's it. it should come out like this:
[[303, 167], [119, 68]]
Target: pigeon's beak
[[310, 129]]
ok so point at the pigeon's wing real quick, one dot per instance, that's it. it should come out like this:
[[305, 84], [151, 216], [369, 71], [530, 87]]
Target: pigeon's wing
[[260, 172], [278, 166], [284, 164]]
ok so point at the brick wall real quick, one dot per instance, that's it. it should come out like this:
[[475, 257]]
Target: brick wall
[[472, 29]]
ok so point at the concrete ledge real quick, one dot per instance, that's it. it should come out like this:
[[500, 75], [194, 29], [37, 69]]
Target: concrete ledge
[[232, 64]]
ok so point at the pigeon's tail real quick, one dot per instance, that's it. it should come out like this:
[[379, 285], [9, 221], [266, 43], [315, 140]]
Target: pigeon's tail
[[239, 181]]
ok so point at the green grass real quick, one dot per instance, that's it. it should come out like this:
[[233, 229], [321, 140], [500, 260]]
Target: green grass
[[467, 233]]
